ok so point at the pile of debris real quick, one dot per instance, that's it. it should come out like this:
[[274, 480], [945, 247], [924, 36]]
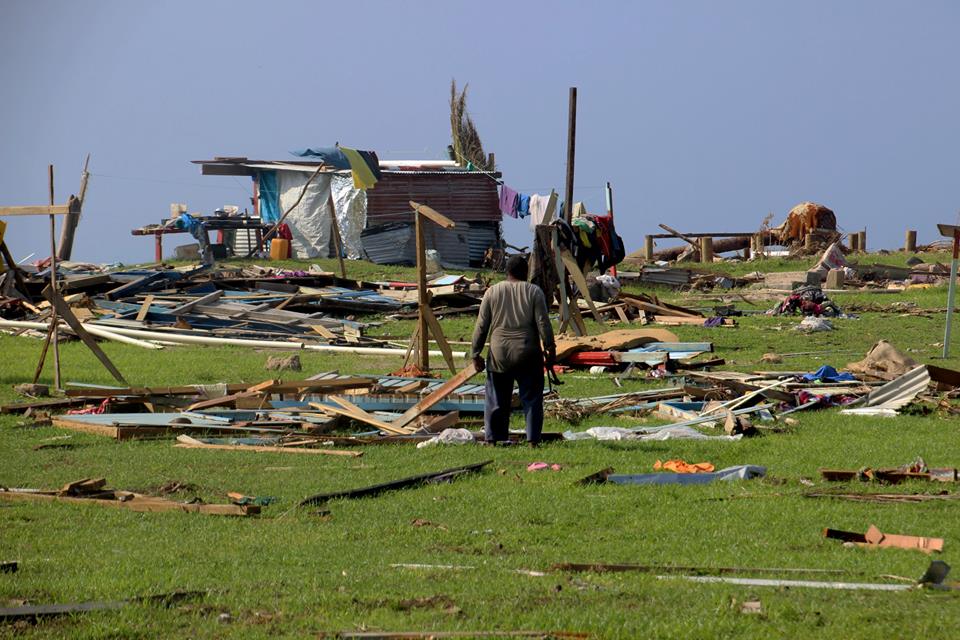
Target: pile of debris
[[247, 306]]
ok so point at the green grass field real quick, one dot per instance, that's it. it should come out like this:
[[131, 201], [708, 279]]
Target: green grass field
[[295, 573]]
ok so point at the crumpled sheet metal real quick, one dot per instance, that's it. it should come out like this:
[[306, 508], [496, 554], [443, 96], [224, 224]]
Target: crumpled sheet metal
[[886, 400]]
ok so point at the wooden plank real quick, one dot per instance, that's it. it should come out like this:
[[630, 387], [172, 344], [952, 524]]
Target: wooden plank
[[678, 320], [323, 331], [438, 395], [143, 504], [321, 386], [144, 308], [186, 308], [423, 299], [255, 390], [186, 442], [107, 392], [63, 310], [351, 410], [55, 210], [682, 236], [580, 280], [434, 215], [437, 332], [110, 431], [87, 485], [438, 424]]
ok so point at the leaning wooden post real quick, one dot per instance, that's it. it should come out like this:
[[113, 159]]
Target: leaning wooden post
[[648, 247], [69, 227], [706, 249], [910, 244], [54, 320], [423, 299], [337, 240], [426, 324]]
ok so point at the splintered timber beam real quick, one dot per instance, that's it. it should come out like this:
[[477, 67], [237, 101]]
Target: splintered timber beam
[[186, 442], [132, 502], [433, 214], [43, 210], [403, 483]]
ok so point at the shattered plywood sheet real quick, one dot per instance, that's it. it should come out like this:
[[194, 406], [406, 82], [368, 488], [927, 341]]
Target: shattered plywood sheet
[[617, 340]]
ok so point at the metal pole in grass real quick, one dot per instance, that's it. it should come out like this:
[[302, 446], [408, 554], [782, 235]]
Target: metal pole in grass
[[950, 231]]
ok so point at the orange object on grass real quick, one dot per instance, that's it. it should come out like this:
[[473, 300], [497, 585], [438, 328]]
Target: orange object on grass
[[679, 466]]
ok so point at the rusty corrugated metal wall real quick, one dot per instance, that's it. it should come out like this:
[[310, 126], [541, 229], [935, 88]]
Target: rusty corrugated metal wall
[[470, 199], [461, 196]]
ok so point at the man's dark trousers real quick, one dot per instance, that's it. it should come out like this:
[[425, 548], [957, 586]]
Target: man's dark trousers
[[499, 393]]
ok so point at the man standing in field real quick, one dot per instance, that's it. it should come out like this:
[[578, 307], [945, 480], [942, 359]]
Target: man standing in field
[[514, 314]]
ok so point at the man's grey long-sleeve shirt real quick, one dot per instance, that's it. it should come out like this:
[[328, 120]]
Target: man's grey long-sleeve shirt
[[514, 314]]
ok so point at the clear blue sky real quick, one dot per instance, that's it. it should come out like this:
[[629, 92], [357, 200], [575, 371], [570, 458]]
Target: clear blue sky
[[703, 115]]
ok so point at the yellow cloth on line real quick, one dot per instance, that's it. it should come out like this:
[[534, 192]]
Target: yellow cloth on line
[[363, 177]]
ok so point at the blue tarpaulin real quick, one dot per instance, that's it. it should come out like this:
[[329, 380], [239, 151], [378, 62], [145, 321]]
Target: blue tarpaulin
[[269, 197], [826, 373]]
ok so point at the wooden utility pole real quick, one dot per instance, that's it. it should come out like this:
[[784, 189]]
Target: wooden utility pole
[[72, 219], [571, 154]]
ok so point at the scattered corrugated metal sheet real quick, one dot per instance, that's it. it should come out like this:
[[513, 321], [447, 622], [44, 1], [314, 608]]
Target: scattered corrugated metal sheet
[[665, 276], [392, 243], [894, 395], [900, 392]]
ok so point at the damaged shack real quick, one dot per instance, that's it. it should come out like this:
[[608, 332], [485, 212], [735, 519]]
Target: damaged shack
[[376, 224]]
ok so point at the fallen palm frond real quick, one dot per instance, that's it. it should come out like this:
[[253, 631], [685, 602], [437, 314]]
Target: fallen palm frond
[[467, 146]]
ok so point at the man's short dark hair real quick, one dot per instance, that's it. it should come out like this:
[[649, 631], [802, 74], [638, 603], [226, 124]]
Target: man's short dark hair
[[517, 267]]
